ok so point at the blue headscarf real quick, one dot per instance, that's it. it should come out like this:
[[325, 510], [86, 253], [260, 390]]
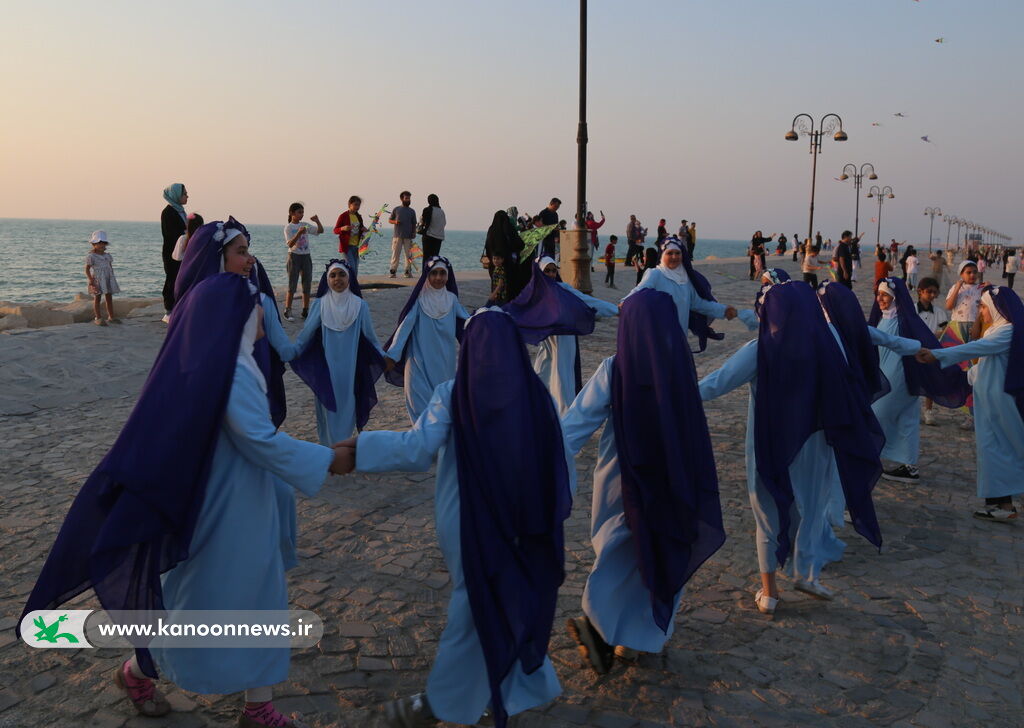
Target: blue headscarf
[[514, 495], [545, 308], [204, 258], [669, 482], [805, 385], [947, 386], [700, 325], [1011, 308], [172, 195], [312, 367], [134, 517], [397, 375], [846, 315]]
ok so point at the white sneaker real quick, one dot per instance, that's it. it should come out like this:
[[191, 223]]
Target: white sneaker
[[287, 315], [765, 604], [814, 588], [167, 318], [929, 417]]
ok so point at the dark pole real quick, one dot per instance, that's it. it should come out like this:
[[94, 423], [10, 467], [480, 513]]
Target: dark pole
[[930, 226], [815, 146], [878, 235], [581, 133], [949, 226], [857, 180]]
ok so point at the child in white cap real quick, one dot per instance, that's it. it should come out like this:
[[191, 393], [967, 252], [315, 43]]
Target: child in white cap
[[99, 269]]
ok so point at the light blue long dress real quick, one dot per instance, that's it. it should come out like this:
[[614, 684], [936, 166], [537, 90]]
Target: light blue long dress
[[429, 345], [457, 688], [998, 427], [555, 363], [810, 473], [684, 295], [237, 558], [615, 599], [340, 349], [897, 412]]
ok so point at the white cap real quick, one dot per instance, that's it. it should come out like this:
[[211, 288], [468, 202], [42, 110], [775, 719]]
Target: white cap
[[100, 236]]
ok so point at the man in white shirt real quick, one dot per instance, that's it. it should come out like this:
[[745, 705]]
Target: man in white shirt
[[1012, 264], [404, 220]]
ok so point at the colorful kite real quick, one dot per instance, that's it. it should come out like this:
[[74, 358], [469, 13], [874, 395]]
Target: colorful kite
[[374, 229], [531, 239]]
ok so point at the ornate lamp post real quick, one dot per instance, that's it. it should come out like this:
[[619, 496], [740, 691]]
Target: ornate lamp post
[[881, 194], [959, 222], [931, 212], [804, 124], [858, 180], [949, 220], [575, 243]]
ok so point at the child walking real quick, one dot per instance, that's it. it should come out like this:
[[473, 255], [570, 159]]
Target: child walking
[[609, 261], [99, 270], [300, 262]]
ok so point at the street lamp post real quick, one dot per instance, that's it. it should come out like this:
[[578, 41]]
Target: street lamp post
[[931, 212], [881, 194], [948, 219], [858, 180], [959, 222], [804, 124]]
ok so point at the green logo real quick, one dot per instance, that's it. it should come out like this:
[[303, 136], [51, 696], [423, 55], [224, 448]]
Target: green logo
[[49, 633]]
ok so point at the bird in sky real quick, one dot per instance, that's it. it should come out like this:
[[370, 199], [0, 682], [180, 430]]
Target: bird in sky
[[875, 123], [900, 114], [926, 139]]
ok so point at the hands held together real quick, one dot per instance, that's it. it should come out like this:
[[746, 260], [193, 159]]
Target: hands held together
[[925, 357], [344, 457]]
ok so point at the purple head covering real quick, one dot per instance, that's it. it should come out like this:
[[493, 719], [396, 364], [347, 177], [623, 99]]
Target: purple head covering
[[397, 375], [1009, 305], [204, 258], [948, 387], [133, 518], [700, 325], [669, 482], [311, 365], [514, 494], [800, 390], [846, 315]]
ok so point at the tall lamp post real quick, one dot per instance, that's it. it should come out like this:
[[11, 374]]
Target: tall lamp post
[[858, 181], [959, 222], [804, 124], [931, 212], [575, 243], [881, 194], [948, 219]]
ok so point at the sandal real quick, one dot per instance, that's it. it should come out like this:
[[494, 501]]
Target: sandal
[[591, 645], [148, 701], [765, 603]]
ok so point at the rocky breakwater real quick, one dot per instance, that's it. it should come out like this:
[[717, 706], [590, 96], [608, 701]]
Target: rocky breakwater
[[14, 316]]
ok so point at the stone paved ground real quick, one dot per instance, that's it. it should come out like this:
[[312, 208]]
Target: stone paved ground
[[927, 633]]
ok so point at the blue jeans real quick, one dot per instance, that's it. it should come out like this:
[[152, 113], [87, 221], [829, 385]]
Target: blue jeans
[[352, 258]]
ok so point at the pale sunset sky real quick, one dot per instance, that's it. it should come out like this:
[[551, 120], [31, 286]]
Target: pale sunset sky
[[256, 104]]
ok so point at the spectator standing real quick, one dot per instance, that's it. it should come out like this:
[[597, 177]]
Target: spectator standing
[[403, 218], [549, 216], [757, 248], [300, 261], [692, 242], [854, 255], [634, 240], [882, 267], [172, 226], [797, 247], [913, 267], [432, 224], [1012, 264], [593, 226], [349, 230], [662, 232], [609, 261], [99, 270], [844, 258]]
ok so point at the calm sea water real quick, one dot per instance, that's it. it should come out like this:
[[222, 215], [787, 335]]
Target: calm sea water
[[45, 259]]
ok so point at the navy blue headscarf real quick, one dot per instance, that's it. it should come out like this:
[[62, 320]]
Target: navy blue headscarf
[[311, 365], [545, 308], [397, 375], [669, 482], [700, 325], [1011, 308], [204, 258], [846, 315], [947, 386], [511, 509], [805, 385], [134, 517]]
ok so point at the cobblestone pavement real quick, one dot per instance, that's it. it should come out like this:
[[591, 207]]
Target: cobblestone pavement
[[927, 633]]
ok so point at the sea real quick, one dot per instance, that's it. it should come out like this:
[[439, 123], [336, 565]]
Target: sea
[[45, 259]]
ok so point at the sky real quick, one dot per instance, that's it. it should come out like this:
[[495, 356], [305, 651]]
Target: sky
[[255, 105]]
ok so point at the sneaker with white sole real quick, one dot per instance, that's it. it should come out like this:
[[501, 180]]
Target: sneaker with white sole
[[929, 417], [815, 588], [765, 604], [287, 315], [996, 513], [903, 474]]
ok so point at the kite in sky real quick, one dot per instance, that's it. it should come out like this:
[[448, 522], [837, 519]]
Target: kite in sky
[[940, 40], [875, 123], [926, 139]]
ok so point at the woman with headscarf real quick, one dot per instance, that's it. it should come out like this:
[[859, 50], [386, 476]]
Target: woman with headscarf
[[502, 248], [695, 306], [432, 223], [338, 344], [172, 227], [900, 333], [424, 340], [806, 414], [554, 315], [998, 380], [504, 489], [656, 510], [182, 513]]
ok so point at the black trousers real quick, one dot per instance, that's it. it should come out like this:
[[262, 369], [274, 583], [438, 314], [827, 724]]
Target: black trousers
[[431, 247], [632, 251], [171, 267], [609, 277], [811, 279], [1009, 279]]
